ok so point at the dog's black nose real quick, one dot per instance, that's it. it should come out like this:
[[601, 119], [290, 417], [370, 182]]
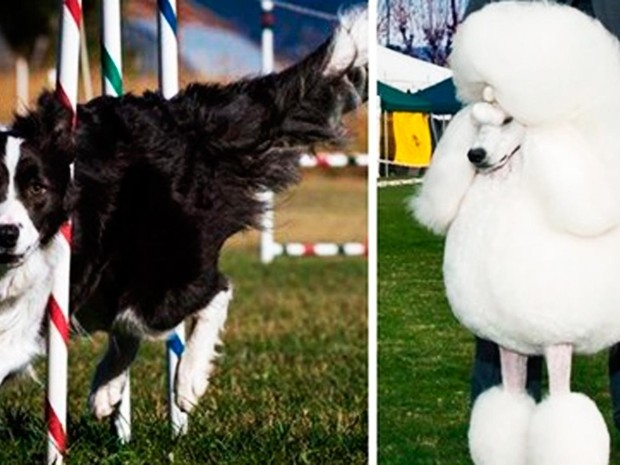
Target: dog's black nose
[[476, 156], [9, 233]]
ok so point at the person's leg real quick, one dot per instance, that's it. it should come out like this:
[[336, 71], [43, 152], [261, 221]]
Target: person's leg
[[608, 13], [486, 372], [534, 377], [614, 382]]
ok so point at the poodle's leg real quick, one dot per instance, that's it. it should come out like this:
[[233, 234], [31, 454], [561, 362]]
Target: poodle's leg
[[499, 419], [196, 365], [449, 176], [566, 427]]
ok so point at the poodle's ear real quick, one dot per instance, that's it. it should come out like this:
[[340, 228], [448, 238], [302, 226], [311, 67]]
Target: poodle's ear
[[49, 126]]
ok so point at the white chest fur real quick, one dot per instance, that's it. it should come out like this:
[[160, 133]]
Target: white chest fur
[[24, 292]]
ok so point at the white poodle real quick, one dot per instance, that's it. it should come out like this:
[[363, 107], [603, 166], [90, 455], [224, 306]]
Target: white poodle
[[525, 183]]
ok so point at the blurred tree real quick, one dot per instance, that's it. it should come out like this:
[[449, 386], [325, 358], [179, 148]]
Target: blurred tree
[[25, 22], [421, 28]]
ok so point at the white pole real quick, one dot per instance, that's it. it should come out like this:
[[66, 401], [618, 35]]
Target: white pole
[[267, 197], [169, 86], [21, 84], [87, 81], [112, 84]]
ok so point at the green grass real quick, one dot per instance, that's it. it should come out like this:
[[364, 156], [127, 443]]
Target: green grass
[[290, 388], [425, 356]]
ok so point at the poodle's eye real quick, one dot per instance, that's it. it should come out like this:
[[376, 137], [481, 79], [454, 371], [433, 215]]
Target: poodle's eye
[[508, 120]]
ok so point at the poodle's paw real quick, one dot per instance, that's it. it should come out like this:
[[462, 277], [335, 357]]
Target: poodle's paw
[[498, 427], [104, 399], [192, 382], [568, 429]]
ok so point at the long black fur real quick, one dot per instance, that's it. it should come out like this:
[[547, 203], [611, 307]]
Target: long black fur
[[160, 185]]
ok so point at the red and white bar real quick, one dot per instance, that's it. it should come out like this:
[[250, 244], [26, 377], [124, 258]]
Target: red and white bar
[[332, 160], [320, 249]]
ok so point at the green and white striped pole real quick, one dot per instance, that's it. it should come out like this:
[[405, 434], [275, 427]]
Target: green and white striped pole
[[112, 84]]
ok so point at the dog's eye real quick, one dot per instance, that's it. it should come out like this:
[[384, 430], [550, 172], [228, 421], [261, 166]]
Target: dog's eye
[[508, 120], [36, 189]]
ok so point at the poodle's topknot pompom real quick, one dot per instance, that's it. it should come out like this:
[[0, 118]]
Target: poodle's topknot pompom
[[543, 61]]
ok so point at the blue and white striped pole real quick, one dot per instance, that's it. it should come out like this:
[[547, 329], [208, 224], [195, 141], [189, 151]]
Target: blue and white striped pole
[[168, 49], [112, 84]]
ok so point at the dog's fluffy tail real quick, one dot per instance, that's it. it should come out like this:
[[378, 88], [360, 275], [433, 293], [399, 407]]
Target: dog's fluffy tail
[[259, 127]]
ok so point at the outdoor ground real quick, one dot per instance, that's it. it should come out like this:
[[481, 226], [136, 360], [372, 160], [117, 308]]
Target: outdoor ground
[[425, 356], [291, 386]]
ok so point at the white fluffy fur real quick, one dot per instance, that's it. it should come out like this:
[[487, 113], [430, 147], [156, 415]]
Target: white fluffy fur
[[569, 430], [196, 363], [499, 426], [351, 44], [104, 400], [533, 249], [449, 176], [544, 62], [24, 292]]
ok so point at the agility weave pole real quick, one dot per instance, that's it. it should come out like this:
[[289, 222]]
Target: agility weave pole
[[269, 248], [58, 307], [112, 84], [267, 197], [168, 53]]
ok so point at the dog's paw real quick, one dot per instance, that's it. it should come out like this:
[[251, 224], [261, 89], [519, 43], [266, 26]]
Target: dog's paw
[[104, 399], [191, 383]]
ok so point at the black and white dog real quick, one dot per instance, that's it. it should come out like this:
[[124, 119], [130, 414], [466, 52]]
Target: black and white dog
[[159, 186]]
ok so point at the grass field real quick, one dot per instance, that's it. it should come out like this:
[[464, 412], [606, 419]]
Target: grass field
[[424, 355], [291, 386]]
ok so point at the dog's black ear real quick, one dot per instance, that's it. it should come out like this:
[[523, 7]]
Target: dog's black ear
[[49, 127]]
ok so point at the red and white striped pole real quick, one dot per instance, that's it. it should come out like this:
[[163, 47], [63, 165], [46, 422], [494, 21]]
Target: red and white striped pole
[[168, 49], [58, 307]]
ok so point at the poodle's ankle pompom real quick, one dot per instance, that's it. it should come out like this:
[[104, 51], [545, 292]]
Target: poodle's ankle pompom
[[498, 427], [568, 429], [449, 176], [537, 57]]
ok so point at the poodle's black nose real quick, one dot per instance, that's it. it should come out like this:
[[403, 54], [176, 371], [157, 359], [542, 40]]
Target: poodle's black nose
[[476, 156], [9, 234]]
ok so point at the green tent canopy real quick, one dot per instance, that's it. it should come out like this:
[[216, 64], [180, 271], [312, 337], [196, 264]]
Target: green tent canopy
[[439, 99]]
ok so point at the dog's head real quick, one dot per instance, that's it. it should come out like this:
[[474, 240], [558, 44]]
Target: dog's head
[[34, 181], [499, 137], [32, 193]]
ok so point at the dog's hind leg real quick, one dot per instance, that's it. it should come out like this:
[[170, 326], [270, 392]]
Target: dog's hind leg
[[500, 416], [196, 364], [566, 427], [111, 374]]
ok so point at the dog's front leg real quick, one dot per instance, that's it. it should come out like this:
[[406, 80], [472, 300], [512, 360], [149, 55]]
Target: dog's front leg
[[111, 375], [500, 417], [566, 427], [196, 365]]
